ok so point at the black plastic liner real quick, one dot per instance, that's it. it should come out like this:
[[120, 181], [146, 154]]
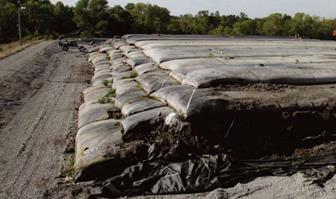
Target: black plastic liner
[[178, 171]]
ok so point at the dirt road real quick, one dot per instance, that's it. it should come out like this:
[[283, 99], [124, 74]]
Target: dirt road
[[39, 92]]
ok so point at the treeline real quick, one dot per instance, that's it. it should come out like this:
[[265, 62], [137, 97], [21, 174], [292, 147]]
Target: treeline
[[97, 19], [39, 17]]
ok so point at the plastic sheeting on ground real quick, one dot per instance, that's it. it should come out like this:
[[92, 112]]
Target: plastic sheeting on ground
[[168, 175]]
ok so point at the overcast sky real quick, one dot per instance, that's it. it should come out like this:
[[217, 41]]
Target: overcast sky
[[253, 8]]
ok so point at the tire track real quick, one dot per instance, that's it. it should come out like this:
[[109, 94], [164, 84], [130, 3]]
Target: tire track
[[33, 142]]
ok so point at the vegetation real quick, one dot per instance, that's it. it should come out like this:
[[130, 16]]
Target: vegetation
[[97, 19], [134, 74], [108, 98], [107, 83], [68, 169], [13, 47]]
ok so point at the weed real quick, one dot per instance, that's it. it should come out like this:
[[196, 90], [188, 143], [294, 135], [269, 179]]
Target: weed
[[69, 169], [210, 55], [134, 74], [229, 57], [111, 93], [106, 82], [108, 97], [13, 47], [101, 100]]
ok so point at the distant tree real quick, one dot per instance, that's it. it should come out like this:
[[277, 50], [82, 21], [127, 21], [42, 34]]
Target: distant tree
[[323, 28], [274, 25], [93, 16], [287, 20], [174, 26], [120, 21], [99, 20], [82, 17], [201, 23], [39, 16], [214, 19], [186, 23], [243, 16], [259, 25], [8, 21], [229, 20], [149, 18], [160, 18], [219, 30], [129, 7], [63, 19], [245, 27], [301, 25]]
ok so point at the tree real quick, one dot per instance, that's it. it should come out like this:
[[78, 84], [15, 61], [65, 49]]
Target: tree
[[148, 18], [301, 25], [82, 17], [273, 25], [8, 21], [323, 28], [63, 19], [120, 21], [245, 27], [39, 16], [97, 19], [174, 26], [214, 20], [229, 20], [219, 30], [201, 23], [186, 23], [93, 17]]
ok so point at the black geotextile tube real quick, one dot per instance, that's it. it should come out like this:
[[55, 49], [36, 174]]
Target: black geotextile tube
[[169, 174]]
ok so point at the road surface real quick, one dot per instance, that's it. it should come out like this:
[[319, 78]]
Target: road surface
[[39, 94]]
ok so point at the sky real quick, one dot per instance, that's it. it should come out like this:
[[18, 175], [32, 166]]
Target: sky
[[253, 8]]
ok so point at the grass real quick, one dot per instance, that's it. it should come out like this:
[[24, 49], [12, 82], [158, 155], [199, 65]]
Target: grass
[[69, 170], [13, 47], [134, 74], [108, 97], [229, 57], [106, 83], [210, 55]]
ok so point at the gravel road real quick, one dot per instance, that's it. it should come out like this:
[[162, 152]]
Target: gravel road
[[39, 95]]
